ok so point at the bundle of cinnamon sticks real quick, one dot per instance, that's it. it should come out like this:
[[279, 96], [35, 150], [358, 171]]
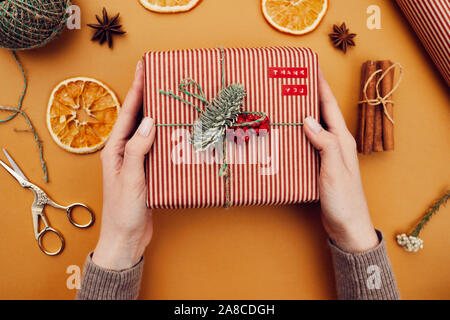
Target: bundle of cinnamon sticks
[[375, 120]]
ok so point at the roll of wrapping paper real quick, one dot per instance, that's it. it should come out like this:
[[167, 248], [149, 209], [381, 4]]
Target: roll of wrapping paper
[[430, 20]]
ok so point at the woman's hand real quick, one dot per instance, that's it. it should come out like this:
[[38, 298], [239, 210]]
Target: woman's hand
[[126, 221], [345, 214]]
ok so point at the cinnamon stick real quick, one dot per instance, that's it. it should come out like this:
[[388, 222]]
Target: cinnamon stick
[[378, 136], [361, 112], [369, 132], [386, 86]]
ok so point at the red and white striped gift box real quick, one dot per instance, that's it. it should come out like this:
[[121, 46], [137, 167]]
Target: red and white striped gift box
[[430, 19], [281, 82]]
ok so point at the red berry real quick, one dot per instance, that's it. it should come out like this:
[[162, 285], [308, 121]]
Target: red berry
[[239, 131]]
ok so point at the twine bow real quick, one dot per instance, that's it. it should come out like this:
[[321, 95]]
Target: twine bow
[[379, 99]]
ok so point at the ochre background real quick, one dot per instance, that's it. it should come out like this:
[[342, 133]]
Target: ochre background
[[240, 253]]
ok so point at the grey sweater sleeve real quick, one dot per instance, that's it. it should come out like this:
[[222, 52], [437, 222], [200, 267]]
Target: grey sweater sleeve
[[103, 284], [364, 276]]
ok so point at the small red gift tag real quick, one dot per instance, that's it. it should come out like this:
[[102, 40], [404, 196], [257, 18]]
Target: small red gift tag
[[294, 90], [285, 73]]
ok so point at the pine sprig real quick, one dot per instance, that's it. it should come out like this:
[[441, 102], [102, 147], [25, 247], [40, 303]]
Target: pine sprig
[[430, 212], [412, 242], [218, 116]]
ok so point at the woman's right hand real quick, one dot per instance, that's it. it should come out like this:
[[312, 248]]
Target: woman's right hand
[[345, 214]]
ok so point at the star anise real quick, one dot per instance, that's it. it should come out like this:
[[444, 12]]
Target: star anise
[[106, 28], [342, 38]]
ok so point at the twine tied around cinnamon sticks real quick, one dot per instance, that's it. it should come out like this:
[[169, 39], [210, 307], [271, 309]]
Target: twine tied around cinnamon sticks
[[376, 106], [380, 99]]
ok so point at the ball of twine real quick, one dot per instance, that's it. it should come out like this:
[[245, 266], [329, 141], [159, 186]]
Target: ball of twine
[[29, 24]]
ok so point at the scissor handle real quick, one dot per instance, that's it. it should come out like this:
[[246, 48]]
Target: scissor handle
[[69, 211], [41, 235]]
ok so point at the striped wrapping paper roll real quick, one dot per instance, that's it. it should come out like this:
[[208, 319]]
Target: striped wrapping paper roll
[[280, 168], [430, 20]]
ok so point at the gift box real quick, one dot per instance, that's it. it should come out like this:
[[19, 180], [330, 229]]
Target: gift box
[[230, 127]]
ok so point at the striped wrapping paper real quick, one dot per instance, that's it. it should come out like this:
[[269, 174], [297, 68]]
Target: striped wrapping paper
[[430, 19], [271, 77]]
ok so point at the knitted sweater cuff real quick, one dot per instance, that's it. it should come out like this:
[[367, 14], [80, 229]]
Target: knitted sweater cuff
[[103, 284], [364, 276]]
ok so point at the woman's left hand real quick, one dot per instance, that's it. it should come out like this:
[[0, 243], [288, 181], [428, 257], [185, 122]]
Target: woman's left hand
[[127, 225]]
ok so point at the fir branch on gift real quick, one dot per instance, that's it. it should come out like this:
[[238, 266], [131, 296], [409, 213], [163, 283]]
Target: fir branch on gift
[[218, 116], [413, 243]]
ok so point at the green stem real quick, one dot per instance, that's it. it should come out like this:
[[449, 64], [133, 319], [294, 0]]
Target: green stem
[[430, 212]]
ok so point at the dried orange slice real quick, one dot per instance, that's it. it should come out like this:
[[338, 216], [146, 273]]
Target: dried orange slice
[[294, 16], [169, 6], [81, 114]]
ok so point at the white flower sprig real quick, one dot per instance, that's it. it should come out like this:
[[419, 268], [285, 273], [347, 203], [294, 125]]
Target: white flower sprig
[[412, 242], [409, 243]]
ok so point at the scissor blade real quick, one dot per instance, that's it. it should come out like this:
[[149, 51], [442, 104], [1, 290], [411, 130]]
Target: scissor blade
[[13, 173], [14, 165]]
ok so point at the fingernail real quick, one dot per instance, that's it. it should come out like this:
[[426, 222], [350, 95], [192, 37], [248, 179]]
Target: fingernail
[[138, 66], [146, 126], [313, 125]]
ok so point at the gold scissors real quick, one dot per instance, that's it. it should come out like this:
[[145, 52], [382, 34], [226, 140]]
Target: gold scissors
[[41, 199]]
